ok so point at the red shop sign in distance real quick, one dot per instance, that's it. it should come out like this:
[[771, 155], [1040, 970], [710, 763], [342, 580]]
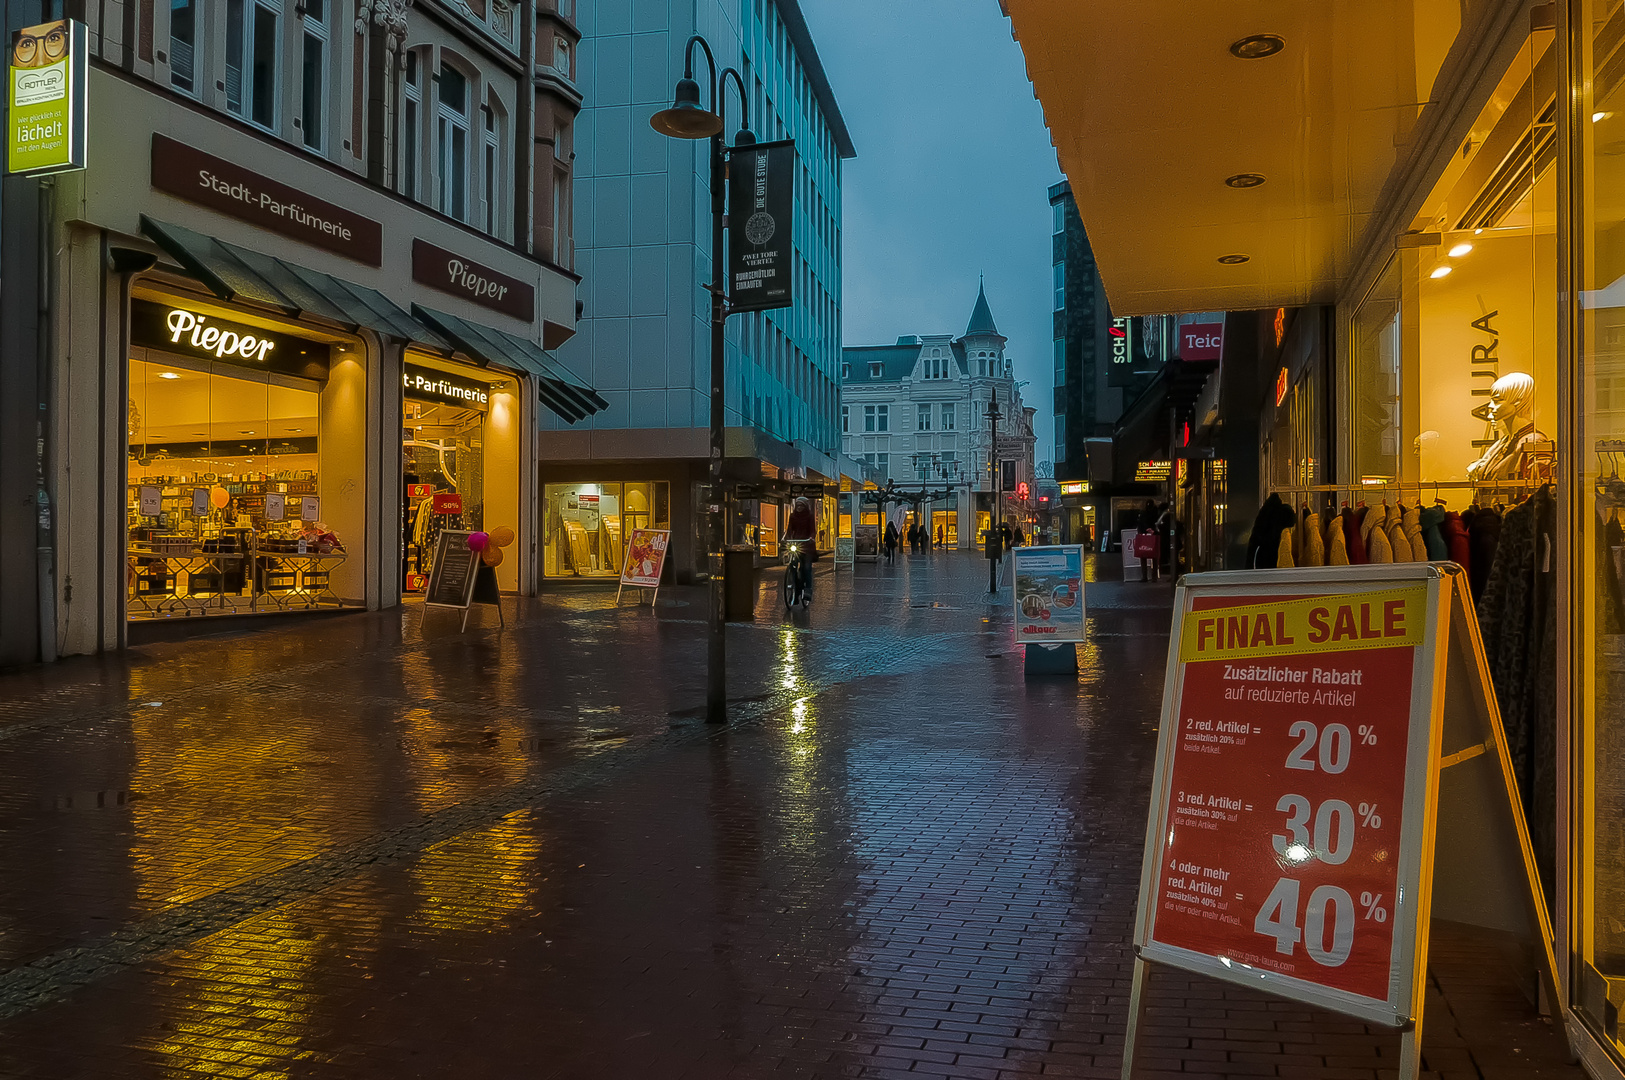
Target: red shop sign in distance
[[1283, 808], [448, 503], [1201, 341]]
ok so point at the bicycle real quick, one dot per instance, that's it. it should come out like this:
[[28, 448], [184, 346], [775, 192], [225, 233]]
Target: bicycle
[[795, 592]]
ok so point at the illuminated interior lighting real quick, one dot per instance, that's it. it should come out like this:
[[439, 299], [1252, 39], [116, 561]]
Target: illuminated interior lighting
[[168, 375], [1460, 249], [1599, 116], [1439, 272]]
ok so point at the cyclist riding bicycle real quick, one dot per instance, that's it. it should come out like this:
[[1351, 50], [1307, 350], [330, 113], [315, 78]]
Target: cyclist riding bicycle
[[798, 537]]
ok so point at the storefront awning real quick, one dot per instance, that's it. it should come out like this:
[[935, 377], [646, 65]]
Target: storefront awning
[[235, 274], [560, 391]]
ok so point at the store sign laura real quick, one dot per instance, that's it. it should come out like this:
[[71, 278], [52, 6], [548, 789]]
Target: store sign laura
[[193, 333], [460, 276], [46, 121], [760, 205], [426, 383], [250, 196]]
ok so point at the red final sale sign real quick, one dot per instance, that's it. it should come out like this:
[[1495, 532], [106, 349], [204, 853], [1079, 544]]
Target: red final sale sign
[[1281, 809]]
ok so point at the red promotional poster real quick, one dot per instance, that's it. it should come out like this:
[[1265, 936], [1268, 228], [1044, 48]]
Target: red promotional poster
[[1282, 806], [448, 503], [645, 557], [419, 491]]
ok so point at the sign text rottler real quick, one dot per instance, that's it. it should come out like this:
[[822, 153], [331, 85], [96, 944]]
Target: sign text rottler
[[46, 122], [761, 260], [461, 276], [249, 196]]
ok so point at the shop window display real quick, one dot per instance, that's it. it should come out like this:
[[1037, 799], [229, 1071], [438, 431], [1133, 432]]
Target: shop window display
[[588, 525], [1597, 624], [223, 506]]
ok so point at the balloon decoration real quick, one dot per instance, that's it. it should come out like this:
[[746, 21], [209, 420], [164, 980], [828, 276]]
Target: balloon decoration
[[492, 556], [501, 536], [219, 497], [478, 541]]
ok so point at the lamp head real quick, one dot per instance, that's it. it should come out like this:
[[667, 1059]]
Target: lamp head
[[686, 119], [744, 138]]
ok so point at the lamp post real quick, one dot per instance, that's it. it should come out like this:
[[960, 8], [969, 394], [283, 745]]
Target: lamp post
[[687, 120]]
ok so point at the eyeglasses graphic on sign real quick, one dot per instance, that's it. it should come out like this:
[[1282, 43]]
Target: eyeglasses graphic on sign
[[46, 121], [38, 46]]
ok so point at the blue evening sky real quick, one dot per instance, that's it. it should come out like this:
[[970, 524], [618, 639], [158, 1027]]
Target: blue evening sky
[[951, 178]]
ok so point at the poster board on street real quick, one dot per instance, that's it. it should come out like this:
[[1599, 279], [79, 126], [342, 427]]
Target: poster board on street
[[459, 577], [1131, 561], [1331, 774], [645, 560], [846, 550], [1048, 594]]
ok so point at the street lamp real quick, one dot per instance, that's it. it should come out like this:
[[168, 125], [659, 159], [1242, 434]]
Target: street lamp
[[687, 119]]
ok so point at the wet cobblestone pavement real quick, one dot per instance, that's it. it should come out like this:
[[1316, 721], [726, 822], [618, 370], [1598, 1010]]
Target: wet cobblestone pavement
[[370, 847]]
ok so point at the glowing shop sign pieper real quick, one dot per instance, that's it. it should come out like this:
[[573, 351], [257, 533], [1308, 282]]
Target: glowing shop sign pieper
[[205, 338]]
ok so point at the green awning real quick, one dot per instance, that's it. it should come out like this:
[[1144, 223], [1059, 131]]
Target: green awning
[[233, 273], [559, 390]]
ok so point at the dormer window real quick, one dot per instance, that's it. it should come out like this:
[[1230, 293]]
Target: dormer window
[[876, 369], [846, 371]]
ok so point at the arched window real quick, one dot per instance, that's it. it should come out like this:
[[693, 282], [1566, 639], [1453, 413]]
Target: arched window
[[410, 149], [491, 167], [452, 141]]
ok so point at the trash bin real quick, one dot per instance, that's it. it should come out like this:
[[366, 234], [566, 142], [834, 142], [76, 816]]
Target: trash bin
[[739, 582]]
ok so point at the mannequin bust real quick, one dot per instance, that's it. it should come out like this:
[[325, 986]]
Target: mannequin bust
[[1519, 452]]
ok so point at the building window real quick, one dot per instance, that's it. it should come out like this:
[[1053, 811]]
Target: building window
[[883, 417], [947, 418], [252, 41], [452, 129], [1060, 437], [876, 369], [845, 423], [411, 120], [182, 43], [1060, 362], [561, 57], [313, 71], [1059, 211], [846, 371], [1060, 286], [490, 165], [923, 418]]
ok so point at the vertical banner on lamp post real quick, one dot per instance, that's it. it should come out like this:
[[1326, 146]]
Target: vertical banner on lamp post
[[761, 207], [46, 121]]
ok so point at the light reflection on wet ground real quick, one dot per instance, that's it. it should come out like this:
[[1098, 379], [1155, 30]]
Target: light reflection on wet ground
[[361, 850]]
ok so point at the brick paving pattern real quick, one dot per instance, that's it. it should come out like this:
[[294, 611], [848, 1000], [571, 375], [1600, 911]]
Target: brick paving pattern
[[372, 847]]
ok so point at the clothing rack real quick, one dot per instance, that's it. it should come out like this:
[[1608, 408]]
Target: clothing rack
[[1398, 490]]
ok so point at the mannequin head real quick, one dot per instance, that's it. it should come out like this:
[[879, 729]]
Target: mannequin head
[[1512, 396]]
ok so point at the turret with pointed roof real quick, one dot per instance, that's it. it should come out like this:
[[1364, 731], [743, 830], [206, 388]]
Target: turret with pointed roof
[[981, 317]]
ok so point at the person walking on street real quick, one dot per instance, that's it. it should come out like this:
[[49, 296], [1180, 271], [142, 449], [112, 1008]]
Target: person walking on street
[[1148, 542], [1005, 536], [891, 540], [913, 539], [1018, 539], [939, 536]]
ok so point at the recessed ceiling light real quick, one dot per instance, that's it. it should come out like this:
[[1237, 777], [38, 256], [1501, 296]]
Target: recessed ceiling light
[[1257, 46], [1233, 260], [168, 375], [296, 429], [200, 434], [1440, 271], [1244, 180], [1460, 249], [1600, 116], [245, 433]]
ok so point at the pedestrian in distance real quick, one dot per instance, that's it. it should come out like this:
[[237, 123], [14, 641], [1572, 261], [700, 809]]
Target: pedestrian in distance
[[891, 540], [1005, 537], [913, 538], [939, 536], [1017, 539]]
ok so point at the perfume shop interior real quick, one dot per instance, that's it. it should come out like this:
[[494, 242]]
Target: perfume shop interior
[[460, 443], [246, 465]]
